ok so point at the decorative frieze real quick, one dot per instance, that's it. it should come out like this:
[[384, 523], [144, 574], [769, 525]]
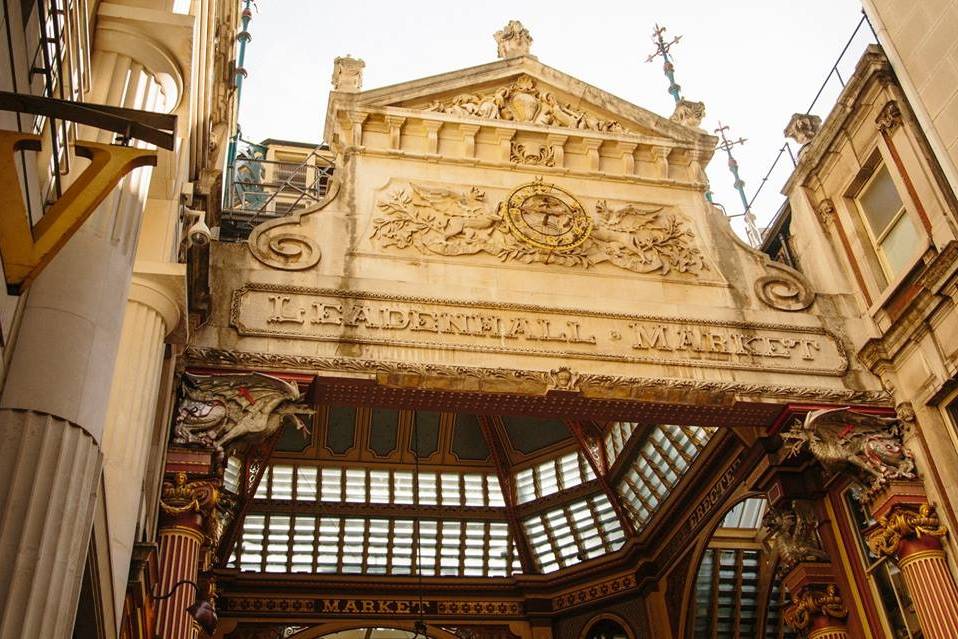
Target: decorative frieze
[[537, 224], [331, 315]]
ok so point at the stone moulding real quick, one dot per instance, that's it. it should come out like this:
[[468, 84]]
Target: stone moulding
[[609, 339], [530, 382]]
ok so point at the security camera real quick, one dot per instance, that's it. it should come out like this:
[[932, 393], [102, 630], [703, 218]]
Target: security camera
[[199, 233]]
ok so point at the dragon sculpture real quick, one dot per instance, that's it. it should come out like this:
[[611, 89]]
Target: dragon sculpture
[[232, 411], [845, 439], [792, 534]]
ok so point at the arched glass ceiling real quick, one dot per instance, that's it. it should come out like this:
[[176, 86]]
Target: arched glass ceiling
[[350, 501]]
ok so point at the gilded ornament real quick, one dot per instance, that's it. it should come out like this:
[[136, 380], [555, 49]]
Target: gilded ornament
[[546, 217], [813, 603], [901, 523], [182, 496]]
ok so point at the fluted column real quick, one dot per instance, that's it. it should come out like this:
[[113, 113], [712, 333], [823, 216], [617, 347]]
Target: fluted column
[[152, 312], [54, 403], [185, 506], [909, 532]]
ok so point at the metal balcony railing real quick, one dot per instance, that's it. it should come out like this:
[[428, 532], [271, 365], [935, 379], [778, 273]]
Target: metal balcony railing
[[258, 189]]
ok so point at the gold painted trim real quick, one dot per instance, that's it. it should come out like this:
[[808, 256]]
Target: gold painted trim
[[856, 596]]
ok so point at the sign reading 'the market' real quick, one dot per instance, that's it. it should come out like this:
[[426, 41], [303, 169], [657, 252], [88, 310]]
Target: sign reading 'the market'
[[373, 318]]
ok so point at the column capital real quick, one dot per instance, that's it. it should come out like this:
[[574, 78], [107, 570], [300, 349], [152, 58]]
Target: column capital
[[905, 530], [816, 607], [162, 287]]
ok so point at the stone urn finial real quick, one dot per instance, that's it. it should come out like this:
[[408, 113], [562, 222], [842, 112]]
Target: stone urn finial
[[513, 40], [348, 74]]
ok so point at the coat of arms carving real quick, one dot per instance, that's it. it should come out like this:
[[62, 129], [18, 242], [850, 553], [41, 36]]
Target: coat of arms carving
[[537, 223]]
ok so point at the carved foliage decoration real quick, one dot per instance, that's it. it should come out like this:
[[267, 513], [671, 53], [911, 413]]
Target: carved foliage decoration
[[535, 154], [524, 101], [227, 411], [538, 223], [793, 535], [844, 439]]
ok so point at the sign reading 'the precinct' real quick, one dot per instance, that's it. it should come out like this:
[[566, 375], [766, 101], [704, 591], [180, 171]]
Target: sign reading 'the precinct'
[[357, 317]]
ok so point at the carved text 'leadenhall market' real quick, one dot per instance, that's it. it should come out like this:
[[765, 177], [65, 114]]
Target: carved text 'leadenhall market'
[[379, 319]]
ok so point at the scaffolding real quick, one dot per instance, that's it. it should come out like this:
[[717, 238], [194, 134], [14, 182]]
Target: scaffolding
[[261, 185]]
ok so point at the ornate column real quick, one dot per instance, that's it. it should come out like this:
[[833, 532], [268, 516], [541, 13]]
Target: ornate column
[[54, 404], [817, 609], [186, 506], [152, 312], [908, 532]]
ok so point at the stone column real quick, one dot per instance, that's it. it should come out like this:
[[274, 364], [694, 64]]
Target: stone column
[[185, 507], [909, 532], [152, 312], [54, 403]]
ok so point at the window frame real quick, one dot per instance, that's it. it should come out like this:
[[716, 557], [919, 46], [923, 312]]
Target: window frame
[[888, 272]]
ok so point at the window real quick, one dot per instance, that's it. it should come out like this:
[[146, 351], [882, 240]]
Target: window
[[892, 230]]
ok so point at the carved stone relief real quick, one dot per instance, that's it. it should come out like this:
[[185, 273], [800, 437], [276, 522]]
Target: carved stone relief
[[535, 154], [513, 40], [226, 411], [538, 223], [523, 101], [803, 127]]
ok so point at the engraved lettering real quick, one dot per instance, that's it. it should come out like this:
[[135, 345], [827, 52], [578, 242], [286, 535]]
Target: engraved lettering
[[281, 312], [657, 340]]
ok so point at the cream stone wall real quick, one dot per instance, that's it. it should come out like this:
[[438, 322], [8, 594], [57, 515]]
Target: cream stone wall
[[415, 238], [908, 338], [919, 38]]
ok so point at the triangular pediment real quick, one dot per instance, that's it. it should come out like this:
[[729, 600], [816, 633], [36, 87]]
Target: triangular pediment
[[524, 91]]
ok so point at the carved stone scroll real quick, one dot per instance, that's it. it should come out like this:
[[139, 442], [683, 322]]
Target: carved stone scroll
[[280, 244], [785, 288]]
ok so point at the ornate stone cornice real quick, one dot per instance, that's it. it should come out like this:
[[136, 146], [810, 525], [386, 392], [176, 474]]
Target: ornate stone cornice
[[527, 381], [901, 523], [821, 601]]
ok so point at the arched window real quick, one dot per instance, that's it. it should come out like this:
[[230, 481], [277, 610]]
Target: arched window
[[736, 591], [607, 627]]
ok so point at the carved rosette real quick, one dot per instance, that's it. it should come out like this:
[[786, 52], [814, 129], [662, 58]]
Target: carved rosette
[[889, 119], [814, 606], [904, 522]]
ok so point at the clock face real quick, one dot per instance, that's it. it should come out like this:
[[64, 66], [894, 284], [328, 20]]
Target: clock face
[[546, 217]]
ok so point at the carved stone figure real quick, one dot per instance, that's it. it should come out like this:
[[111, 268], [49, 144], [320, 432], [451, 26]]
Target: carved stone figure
[[889, 118], [440, 221], [348, 74], [803, 127], [845, 439], [689, 113], [524, 101], [793, 535], [513, 40], [226, 411]]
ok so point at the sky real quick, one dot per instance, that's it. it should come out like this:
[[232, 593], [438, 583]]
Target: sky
[[752, 62]]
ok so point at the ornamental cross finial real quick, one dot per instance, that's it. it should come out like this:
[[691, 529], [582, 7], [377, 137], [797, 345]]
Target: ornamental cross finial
[[726, 145], [662, 49]]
